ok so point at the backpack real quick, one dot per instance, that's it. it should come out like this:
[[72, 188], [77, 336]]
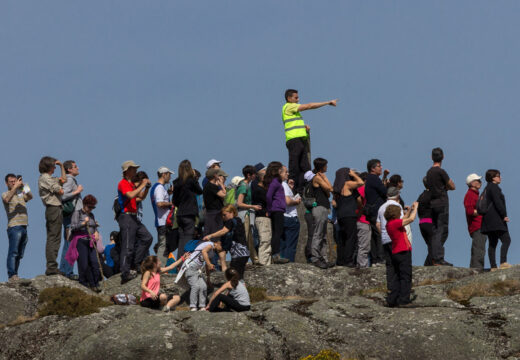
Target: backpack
[[482, 206], [123, 299], [191, 245], [69, 207], [230, 198], [116, 208], [309, 198]]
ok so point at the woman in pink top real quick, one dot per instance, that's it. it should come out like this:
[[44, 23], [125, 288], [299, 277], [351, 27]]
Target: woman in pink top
[[151, 284]]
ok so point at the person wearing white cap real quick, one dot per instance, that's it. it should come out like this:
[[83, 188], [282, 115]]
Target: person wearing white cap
[[135, 239], [161, 206], [474, 219]]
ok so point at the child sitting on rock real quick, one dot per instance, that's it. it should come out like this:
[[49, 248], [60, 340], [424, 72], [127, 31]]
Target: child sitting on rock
[[193, 272], [401, 279], [237, 298], [151, 284], [233, 239]]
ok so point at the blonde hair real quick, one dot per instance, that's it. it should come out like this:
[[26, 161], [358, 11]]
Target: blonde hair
[[230, 209]]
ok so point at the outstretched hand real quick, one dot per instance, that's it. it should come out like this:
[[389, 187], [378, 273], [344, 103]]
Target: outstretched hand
[[333, 102]]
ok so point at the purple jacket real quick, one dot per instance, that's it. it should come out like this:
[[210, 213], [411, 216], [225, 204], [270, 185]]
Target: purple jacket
[[275, 197]]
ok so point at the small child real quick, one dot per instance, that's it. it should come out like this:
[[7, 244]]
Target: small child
[[198, 287], [237, 298], [151, 284], [401, 270], [234, 229]]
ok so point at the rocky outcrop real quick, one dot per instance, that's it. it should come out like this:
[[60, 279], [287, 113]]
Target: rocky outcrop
[[308, 310]]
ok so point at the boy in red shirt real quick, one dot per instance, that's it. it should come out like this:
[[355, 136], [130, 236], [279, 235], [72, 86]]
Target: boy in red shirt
[[401, 283]]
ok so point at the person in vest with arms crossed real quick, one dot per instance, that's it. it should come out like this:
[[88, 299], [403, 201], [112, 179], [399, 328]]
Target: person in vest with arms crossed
[[297, 135]]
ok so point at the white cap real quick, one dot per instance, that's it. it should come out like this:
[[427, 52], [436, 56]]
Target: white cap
[[471, 178], [236, 180], [309, 175], [212, 162], [164, 169]]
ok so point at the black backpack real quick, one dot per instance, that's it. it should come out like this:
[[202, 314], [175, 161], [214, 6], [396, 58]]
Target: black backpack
[[116, 208], [308, 196], [482, 206]]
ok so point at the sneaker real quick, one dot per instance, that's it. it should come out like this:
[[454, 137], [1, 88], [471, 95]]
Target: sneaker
[[166, 309], [126, 279], [73, 277], [442, 263], [504, 265], [330, 264], [193, 309], [320, 264], [493, 269], [14, 278], [202, 309]]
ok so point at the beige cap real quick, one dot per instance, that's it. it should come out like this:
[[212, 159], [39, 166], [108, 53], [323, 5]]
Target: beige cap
[[128, 164], [164, 169], [210, 173], [236, 180]]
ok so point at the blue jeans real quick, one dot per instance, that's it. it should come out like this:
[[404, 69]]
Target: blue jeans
[[65, 267], [17, 240], [291, 232]]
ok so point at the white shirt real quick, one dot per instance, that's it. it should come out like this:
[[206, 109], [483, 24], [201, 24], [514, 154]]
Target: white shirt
[[160, 194], [290, 211], [385, 239], [198, 259]]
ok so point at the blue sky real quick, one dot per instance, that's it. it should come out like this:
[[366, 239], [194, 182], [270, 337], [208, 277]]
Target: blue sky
[[157, 82]]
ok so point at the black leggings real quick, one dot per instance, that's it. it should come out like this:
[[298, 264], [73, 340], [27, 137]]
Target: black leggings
[[493, 237], [427, 234], [277, 221], [229, 304], [347, 241], [239, 264]]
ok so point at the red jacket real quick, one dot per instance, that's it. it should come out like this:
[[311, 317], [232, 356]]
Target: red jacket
[[470, 203]]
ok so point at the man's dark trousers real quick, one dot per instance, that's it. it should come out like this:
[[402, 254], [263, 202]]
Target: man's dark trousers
[[440, 220], [298, 161], [135, 242]]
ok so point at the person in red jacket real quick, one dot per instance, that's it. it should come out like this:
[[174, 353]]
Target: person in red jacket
[[478, 244]]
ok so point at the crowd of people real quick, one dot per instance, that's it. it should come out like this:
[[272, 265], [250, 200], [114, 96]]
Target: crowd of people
[[253, 217]]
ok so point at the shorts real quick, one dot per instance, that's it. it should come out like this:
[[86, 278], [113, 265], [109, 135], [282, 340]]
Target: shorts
[[154, 304]]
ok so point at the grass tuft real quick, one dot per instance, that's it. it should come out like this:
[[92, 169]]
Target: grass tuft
[[257, 294], [464, 293], [324, 355], [68, 302]]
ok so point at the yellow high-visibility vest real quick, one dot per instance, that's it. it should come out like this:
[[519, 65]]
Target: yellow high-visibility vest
[[293, 125]]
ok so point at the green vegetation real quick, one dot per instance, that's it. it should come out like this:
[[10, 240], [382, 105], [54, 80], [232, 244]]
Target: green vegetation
[[324, 355], [463, 294], [257, 294], [68, 302]]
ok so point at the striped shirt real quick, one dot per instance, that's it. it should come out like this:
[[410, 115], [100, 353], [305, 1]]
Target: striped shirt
[[49, 188]]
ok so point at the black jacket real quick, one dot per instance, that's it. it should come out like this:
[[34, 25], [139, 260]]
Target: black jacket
[[493, 219], [185, 196], [375, 193]]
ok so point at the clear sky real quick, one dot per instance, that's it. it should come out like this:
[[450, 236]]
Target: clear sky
[[101, 82]]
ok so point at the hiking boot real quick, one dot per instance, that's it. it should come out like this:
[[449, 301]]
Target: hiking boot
[[330, 264], [505, 265], [129, 277], [51, 272], [320, 264], [73, 277], [279, 260], [493, 269], [14, 278], [442, 263]]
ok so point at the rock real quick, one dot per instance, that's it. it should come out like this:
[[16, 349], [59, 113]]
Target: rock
[[312, 309]]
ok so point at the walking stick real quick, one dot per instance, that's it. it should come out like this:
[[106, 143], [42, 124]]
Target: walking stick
[[97, 256]]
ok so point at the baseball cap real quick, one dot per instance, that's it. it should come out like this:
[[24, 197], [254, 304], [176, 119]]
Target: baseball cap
[[309, 175], [392, 192], [164, 169], [211, 173], [212, 162], [128, 164], [259, 167], [471, 178]]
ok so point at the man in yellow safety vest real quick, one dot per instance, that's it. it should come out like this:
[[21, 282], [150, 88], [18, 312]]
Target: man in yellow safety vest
[[297, 134]]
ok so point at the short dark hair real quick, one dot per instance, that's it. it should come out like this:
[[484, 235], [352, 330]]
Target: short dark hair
[[68, 165], [363, 176], [394, 180], [490, 174], [372, 163], [437, 154], [289, 93], [392, 212], [90, 200], [248, 170], [9, 176], [46, 164], [140, 176], [319, 164]]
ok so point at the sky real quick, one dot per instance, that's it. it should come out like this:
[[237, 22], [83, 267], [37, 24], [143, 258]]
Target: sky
[[101, 82]]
